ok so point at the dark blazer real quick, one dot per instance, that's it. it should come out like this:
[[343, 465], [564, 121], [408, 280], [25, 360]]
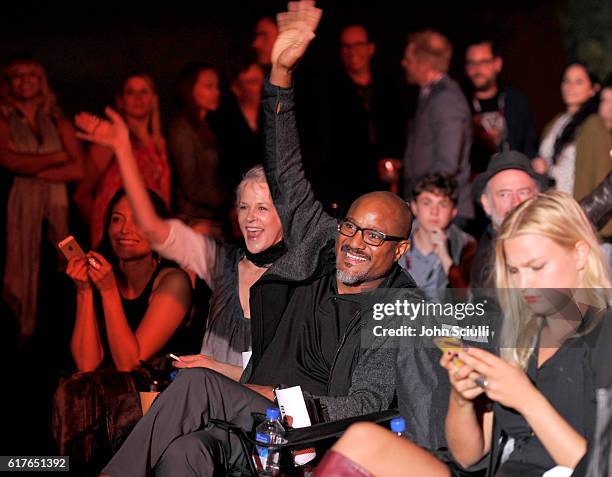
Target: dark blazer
[[439, 140]]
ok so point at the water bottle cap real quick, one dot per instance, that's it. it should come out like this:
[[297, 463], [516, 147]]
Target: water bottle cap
[[398, 424], [272, 413]]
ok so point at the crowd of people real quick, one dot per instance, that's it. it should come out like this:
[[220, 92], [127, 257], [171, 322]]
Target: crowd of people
[[227, 245]]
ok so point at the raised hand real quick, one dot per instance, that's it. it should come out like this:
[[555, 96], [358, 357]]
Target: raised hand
[[296, 29], [114, 133]]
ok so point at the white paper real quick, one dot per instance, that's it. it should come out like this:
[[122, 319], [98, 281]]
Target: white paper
[[558, 471], [291, 403], [246, 357]]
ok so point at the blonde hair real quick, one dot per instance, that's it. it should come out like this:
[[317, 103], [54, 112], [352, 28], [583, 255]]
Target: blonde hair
[[46, 98], [154, 124], [256, 174], [433, 48], [558, 217]]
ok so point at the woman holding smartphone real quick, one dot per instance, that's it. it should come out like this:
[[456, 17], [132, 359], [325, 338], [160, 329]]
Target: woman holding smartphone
[[130, 307], [229, 271], [553, 287]]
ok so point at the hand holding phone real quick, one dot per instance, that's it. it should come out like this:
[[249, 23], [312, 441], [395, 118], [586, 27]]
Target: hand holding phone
[[449, 344], [71, 248]]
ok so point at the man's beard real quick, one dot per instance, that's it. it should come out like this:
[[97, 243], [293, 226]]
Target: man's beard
[[351, 279], [489, 83], [355, 278]]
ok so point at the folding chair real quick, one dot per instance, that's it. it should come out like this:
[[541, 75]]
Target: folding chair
[[301, 438]]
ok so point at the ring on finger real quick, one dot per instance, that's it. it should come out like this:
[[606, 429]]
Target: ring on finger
[[482, 382]]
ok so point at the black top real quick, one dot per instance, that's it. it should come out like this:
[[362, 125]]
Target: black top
[[355, 126], [134, 310], [240, 148], [481, 275], [567, 381], [311, 342], [507, 113]]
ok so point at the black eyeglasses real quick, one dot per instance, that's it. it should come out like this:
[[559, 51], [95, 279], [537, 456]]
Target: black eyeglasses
[[370, 236], [352, 46], [477, 64]]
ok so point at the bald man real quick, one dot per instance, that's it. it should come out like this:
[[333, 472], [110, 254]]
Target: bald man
[[307, 311]]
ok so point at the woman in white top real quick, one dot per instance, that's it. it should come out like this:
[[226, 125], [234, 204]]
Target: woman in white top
[[575, 146], [229, 271]]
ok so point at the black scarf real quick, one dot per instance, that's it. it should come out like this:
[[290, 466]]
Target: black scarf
[[268, 256]]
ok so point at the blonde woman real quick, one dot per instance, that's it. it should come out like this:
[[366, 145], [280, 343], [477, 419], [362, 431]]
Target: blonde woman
[[39, 148], [137, 102], [553, 287]]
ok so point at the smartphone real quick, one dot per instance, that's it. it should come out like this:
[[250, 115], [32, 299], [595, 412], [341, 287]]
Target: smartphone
[[449, 343], [71, 248]]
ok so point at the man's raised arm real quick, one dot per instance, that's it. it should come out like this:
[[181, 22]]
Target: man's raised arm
[[291, 191]]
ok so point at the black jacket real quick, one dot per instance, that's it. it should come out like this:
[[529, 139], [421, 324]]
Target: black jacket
[[362, 380], [598, 204]]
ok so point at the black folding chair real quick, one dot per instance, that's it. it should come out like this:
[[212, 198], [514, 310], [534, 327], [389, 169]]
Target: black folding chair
[[301, 438]]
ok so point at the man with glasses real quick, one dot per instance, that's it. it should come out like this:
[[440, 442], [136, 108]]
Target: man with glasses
[[307, 310], [365, 110], [500, 113]]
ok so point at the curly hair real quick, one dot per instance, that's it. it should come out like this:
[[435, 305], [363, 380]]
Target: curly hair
[[438, 183]]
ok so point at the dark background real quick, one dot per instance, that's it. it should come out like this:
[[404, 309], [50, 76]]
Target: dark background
[[88, 48]]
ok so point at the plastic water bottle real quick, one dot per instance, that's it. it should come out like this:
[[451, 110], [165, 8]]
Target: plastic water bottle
[[398, 426], [269, 432]]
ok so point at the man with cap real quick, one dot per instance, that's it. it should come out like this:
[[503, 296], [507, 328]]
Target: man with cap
[[508, 181]]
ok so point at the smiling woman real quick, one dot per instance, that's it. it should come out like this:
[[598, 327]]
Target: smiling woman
[[576, 144], [39, 149], [130, 309], [229, 271]]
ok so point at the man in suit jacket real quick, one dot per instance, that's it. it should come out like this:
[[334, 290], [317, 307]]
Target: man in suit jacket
[[439, 136]]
